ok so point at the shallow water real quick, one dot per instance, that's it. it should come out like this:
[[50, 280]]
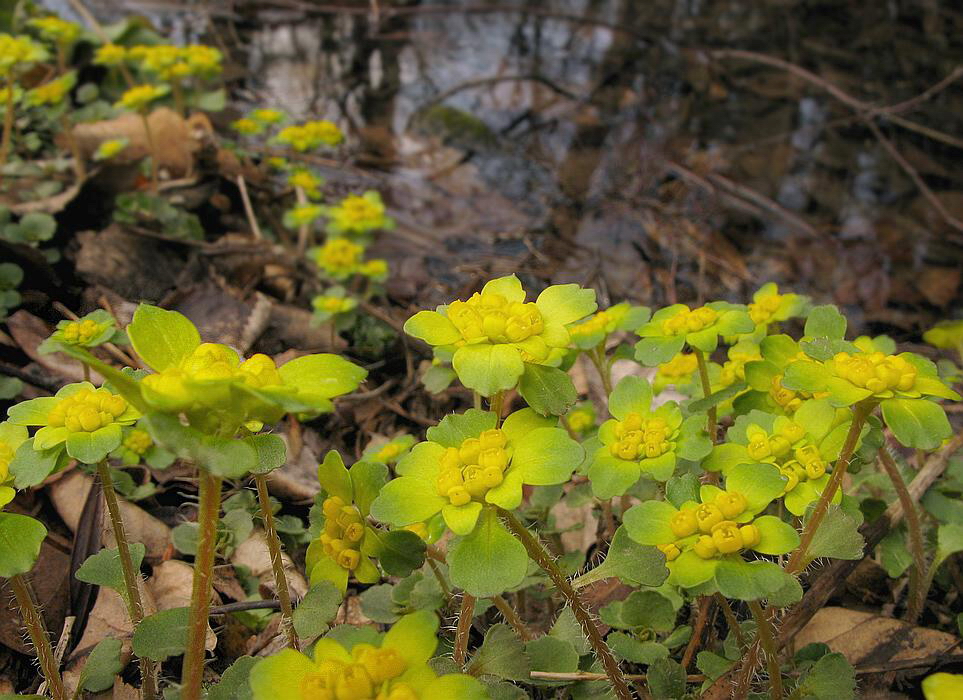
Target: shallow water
[[602, 141]]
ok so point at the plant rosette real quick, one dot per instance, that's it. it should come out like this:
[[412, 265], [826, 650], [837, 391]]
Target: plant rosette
[[674, 327], [802, 448], [395, 667], [467, 467], [640, 439], [703, 542], [334, 303], [496, 332], [347, 544], [138, 447], [84, 421], [388, 451], [581, 419], [90, 331], [769, 307], [900, 384], [589, 333], [12, 436], [358, 215]]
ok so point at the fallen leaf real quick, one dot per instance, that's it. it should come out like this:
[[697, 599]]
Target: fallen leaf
[[253, 553], [171, 586]]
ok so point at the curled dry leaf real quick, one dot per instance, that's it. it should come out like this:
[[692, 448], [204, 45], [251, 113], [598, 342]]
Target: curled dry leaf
[[68, 494], [253, 553]]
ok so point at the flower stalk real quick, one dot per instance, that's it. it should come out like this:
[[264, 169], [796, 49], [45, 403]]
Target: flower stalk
[[465, 615], [33, 621], [766, 636], [277, 563], [541, 556], [209, 508], [135, 607], [706, 391]]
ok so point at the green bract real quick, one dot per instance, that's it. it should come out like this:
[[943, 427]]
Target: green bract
[[85, 420], [96, 328], [496, 332], [702, 540], [468, 462], [388, 451], [589, 333], [676, 326], [801, 448], [768, 306], [640, 439], [395, 667]]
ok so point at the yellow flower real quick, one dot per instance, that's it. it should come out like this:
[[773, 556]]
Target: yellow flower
[[56, 29], [301, 215], [138, 441], [943, 686], [311, 135], [19, 51], [307, 181], [356, 214], [375, 269], [266, 115], [53, 92], [139, 97], [110, 148], [247, 126], [110, 55], [339, 257]]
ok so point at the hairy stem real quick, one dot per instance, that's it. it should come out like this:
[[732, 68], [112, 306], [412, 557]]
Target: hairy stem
[[702, 616], [730, 616], [916, 595], [512, 618], [706, 391], [541, 556], [465, 614], [764, 633], [798, 560], [274, 547], [135, 607], [597, 355], [33, 621], [208, 510], [441, 579]]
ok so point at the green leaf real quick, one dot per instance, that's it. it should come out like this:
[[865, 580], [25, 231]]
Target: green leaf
[[104, 569], [437, 378], [776, 537], [949, 540], [650, 610], [234, 683], [658, 350], [917, 423], [271, 452], [742, 580], [90, 448], [837, 537], [30, 467], [102, 665], [501, 655], [379, 604], [550, 653], [648, 522], [790, 593], [715, 398], [221, 456], [548, 390], [162, 338], [454, 429], [367, 480], [488, 369], [401, 552], [830, 678], [334, 478], [489, 561], [317, 609], [433, 328], [566, 303], [759, 483], [825, 322], [322, 376], [211, 101], [406, 500], [666, 679], [633, 563], [635, 651], [547, 456], [20, 539], [162, 635]]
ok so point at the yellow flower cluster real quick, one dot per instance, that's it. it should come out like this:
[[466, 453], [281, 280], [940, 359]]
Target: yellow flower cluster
[[81, 331], [87, 410], [679, 367], [788, 399], [210, 361], [638, 438], [875, 371], [307, 181], [362, 679], [138, 441], [332, 304], [339, 257], [311, 135], [172, 63], [390, 451], [470, 470], [110, 148], [343, 532], [796, 458], [110, 55], [52, 92], [266, 115], [581, 419], [6, 456], [302, 215], [358, 214], [56, 29], [720, 533], [761, 311], [686, 321], [247, 126], [593, 324], [490, 317], [18, 51], [138, 97], [734, 369]]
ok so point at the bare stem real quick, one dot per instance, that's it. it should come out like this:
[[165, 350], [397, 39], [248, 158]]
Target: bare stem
[[541, 556], [730, 616], [80, 172], [597, 355], [274, 547], [135, 607], [33, 621], [916, 595], [798, 560], [208, 510], [706, 391], [465, 614], [702, 616], [764, 633], [153, 151], [304, 230], [7, 122], [512, 618]]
